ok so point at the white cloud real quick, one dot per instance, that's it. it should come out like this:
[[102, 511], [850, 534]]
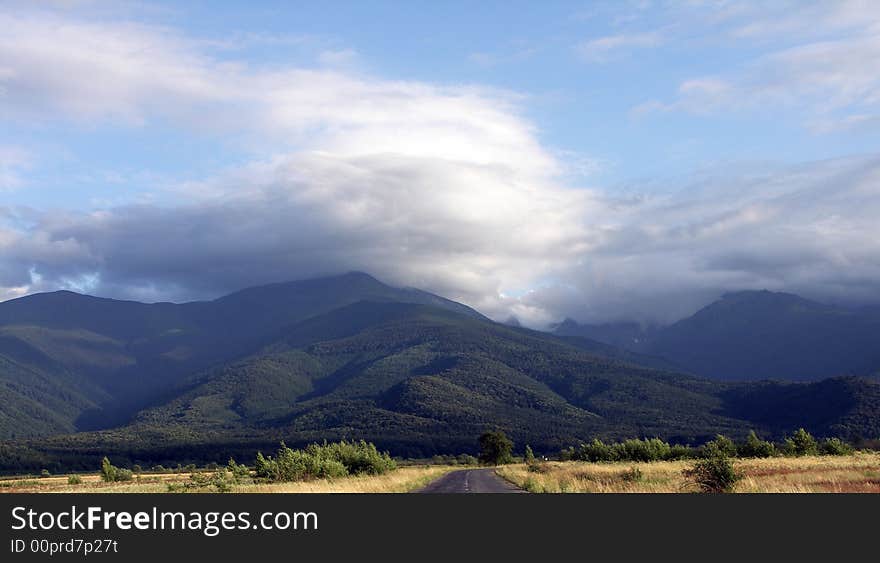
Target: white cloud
[[818, 59], [338, 57], [435, 186], [604, 49], [809, 229], [13, 162], [442, 187]]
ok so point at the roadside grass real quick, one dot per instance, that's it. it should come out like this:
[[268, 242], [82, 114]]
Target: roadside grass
[[858, 473], [402, 480]]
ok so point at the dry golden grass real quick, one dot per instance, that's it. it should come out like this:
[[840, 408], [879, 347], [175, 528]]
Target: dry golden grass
[[859, 473], [402, 480]]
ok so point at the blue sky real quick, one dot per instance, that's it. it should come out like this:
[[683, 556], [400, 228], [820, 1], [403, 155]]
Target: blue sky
[[560, 149]]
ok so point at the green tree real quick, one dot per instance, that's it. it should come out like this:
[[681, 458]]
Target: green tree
[[720, 446], [801, 443], [530, 455], [495, 448], [756, 447], [110, 473], [835, 446]]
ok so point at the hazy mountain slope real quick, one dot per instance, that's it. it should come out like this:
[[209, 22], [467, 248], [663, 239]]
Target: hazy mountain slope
[[760, 335], [756, 335]]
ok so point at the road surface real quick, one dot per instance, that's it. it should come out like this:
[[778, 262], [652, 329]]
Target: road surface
[[471, 481]]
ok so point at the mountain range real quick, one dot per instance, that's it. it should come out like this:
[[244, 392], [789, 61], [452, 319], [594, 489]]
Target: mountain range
[[350, 357], [754, 335]]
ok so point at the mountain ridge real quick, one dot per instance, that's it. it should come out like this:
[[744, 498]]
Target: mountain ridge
[[753, 335], [352, 358]]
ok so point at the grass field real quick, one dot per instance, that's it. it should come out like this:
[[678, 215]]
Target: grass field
[[859, 473], [402, 480]]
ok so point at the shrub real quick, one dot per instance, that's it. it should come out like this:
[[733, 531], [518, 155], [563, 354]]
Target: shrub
[[465, 459], [597, 450], [74, 480], [713, 474], [642, 450], [495, 448], [677, 451], [221, 480], [652, 449], [137, 469], [357, 457], [323, 462], [632, 475], [835, 446], [755, 447], [801, 443], [45, 473], [532, 486], [720, 446], [110, 473], [237, 470], [539, 467], [529, 456]]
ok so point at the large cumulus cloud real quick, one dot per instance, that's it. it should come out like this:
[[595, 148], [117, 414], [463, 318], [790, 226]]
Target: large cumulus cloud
[[447, 188]]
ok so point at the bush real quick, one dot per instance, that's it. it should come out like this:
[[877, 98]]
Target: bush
[[713, 474], [721, 446], [755, 447], [597, 450], [529, 456], [632, 475], [74, 480], [835, 446], [237, 470], [357, 457], [465, 459], [642, 450], [325, 461], [801, 443], [677, 451], [495, 448], [652, 449], [45, 473], [532, 486], [110, 473]]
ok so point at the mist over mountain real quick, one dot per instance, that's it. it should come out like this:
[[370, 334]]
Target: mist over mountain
[[350, 357]]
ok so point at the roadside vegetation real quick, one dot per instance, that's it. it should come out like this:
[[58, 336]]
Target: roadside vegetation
[[800, 464], [856, 473]]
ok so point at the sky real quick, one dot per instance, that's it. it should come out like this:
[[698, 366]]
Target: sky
[[604, 161]]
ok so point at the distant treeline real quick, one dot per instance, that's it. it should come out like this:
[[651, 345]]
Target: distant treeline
[[21, 457], [800, 443]]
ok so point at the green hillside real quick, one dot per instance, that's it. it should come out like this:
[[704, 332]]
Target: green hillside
[[125, 356], [414, 373]]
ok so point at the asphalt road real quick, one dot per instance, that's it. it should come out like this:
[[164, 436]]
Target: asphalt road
[[471, 481]]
